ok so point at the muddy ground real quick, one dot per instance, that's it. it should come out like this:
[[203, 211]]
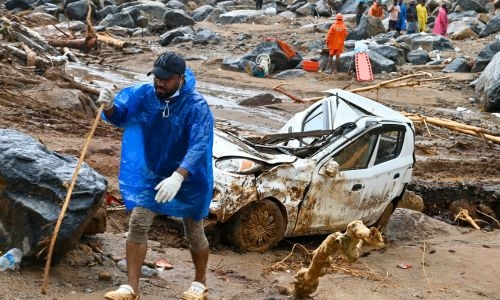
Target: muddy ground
[[447, 260]]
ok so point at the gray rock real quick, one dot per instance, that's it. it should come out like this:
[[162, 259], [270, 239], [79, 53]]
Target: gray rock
[[418, 57], [349, 6], [225, 5], [151, 8], [297, 5], [475, 5], [182, 39], [238, 16], [174, 4], [317, 45], [119, 19], [427, 42], [485, 56], [380, 64], [19, 4], [259, 100], [488, 85], [389, 52], [294, 73], [459, 16], [244, 36], [34, 185], [168, 36], [492, 26], [322, 9], [50, 8], [206, 36], [107, 10], [288, 14], [459, 64], [201, 13], [77, 10], [368, 27], [306, 10], [214, 15], [176, 18]]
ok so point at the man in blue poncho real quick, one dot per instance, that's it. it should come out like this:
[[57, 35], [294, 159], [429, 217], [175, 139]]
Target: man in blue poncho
[[166, 163]]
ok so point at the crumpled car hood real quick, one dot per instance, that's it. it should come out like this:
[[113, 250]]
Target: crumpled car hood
[[226, 145]]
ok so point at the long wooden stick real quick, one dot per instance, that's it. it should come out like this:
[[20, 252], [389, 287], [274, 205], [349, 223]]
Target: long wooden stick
[[66, 201]]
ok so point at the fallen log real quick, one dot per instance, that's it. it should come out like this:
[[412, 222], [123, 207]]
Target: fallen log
[[39, 61], [106, 39], [84, 44], [348, 243]]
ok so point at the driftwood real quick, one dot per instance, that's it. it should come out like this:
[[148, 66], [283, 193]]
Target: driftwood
[[464, 216], [456, 126], [39, 60], [107, 39], [279, 88], [66, 81], [307, 279]]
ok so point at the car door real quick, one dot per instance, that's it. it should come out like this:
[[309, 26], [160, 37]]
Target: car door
[[360, 188]]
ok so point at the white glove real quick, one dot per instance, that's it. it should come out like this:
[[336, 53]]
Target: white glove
[[168, 188], [106, 97]]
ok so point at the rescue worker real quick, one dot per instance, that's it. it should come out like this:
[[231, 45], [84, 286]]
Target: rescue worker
[[394, 10], [335, 42], [441, 23], [376, 10], [166, 163], [422, 16], [411, 17]]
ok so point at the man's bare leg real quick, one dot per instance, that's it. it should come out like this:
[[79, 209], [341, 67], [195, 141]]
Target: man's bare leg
[[136, 253], [200, 261], [337, 63]]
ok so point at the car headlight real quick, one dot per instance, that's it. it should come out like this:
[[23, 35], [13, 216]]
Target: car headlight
[[238, 165]]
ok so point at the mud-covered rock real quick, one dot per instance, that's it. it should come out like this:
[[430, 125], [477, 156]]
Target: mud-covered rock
[[488, 85], [34, 183], [170, 35], [427, 42], [485, 56], [390, 52], [206, 36], [119, 19], [459, 64]]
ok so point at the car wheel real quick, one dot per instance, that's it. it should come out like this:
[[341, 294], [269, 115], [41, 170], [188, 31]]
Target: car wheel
[[381, 223], [258, 226]]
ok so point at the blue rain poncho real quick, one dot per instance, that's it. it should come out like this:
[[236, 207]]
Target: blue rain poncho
[[153, 147]]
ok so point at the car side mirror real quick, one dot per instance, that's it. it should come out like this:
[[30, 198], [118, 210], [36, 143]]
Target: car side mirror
[[330, 169]]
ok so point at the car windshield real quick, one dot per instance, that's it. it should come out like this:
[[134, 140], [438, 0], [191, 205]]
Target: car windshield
[[317, 139]]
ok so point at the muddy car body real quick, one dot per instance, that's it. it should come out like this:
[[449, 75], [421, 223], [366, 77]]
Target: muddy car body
[[342, 159]]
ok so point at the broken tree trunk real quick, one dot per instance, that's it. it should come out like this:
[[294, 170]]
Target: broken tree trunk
[[307, 279], [39, 61], [464, 216]]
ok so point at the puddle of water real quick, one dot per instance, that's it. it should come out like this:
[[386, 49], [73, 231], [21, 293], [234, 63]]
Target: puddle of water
[[217, 96]]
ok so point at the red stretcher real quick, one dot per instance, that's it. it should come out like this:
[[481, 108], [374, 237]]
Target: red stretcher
[[363, 67]]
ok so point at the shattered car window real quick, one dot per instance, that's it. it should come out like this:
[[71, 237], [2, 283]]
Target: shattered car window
[[357, 154], [390, 145]]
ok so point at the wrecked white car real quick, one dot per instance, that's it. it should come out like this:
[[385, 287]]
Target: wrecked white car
[[343, 159]]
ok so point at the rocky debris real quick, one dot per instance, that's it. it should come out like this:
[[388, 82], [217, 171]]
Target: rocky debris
[[34, 186], [459, 64], [205, 37], [485, 56], [425, 41], [488, 85], [472, 5], [170, 35]]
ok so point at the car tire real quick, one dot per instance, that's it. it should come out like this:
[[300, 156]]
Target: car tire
[[258, 226], [382, 221]]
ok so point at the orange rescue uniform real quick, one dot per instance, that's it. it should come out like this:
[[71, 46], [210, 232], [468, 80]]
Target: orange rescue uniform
[[335, 37]]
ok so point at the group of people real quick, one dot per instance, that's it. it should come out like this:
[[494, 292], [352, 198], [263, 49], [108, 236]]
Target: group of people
[[411, 18]]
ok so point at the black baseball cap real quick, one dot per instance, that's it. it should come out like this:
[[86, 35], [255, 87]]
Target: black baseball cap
[[168, 64]]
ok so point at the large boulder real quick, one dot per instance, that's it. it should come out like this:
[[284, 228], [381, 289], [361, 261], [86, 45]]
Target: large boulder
[[485, 56], [175, 18], [492, 26], [390, 52], [427, 42], [119, 19], [34, 183], [368, 27], [170, 35], [488, 85], [151, 8], [475, 5], [77, 10], [19, 4]]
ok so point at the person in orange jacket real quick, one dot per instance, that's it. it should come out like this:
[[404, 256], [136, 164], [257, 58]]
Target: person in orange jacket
[[335, 41], [376, 10]]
